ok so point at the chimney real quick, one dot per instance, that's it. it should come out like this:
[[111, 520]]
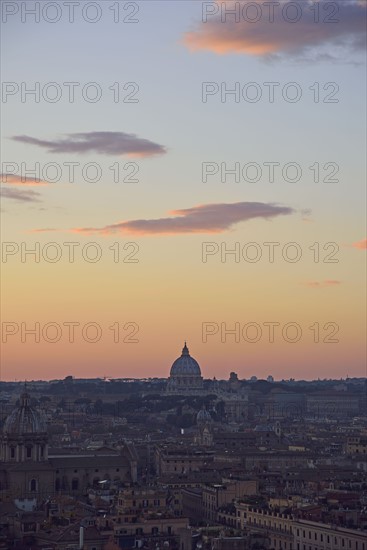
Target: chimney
[[81, 538]]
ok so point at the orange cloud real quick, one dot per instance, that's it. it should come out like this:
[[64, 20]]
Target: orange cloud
[[206, 218], [45, 230], [15, 179], [254, 31], [321, 284], [360, 245]]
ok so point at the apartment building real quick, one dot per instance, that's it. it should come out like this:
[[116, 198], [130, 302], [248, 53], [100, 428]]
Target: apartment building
[[310, 535]]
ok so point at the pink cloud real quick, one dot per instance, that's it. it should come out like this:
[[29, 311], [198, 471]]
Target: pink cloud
[[206, 218], [222, 34], [45, 230], [15, 179], [360, 245], [321, 284]]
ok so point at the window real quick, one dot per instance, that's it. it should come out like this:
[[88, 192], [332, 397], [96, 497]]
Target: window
[[33, 485], [12, 452], [75, 485], [29, 451]]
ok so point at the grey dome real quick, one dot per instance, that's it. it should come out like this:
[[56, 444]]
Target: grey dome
[[203, 417], [185, 365], [25, 419]]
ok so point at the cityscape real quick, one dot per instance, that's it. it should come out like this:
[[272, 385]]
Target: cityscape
[[183, 306], [184, 462]]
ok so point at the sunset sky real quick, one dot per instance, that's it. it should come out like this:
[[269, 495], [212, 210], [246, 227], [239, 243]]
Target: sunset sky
[[161, 273]]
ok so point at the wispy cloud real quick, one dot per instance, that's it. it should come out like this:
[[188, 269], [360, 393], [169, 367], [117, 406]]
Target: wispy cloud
[[324, 40], [360, 245], [44, 230], [15, 179], [321, 284], [105, 143], [20, 195], [206, 218]]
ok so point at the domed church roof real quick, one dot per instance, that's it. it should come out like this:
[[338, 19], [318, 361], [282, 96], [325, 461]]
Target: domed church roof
[[203, 417], [25, 419], [185, 365]]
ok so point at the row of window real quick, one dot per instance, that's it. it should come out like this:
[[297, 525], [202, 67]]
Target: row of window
[[352, 545], [29, 449], [144, 503], [139, 531], [32, 486], [283, 545], [268, 523], [321, 537]]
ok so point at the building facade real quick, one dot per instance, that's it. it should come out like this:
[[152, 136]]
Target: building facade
[[31, 471]]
